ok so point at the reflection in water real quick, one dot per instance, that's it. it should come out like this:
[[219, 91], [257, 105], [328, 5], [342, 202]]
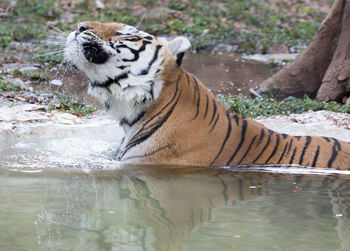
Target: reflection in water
[[83, 207], [167, 208]]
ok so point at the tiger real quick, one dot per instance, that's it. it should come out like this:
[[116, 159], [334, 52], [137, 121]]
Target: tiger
[[169, 117]]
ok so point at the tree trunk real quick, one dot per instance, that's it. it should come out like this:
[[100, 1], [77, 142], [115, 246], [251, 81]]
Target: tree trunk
[[323, 69]]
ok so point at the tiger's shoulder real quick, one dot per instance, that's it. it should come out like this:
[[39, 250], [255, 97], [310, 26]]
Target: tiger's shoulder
[[169, 116]]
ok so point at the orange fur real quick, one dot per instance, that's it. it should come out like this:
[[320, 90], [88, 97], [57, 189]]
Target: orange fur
[[199, 131]]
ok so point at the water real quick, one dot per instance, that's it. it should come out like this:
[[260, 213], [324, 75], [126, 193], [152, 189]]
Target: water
[[67, 193], [157, 208], [227, 73], [222, 74], [60, 189]]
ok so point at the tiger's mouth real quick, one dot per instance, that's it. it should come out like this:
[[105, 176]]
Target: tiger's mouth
[[94, 53], [82, 49]]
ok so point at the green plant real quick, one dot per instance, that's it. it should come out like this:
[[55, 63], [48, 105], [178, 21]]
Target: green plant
[[26, 20], [271, 106], [72, 104], [6, 85], [32, 75]]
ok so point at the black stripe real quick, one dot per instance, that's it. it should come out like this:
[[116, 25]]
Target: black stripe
[[316, 156], [266, 145], [262, 133], [236, 118], [133, 51], [158, 113], [151, 82], [196, 89], [293, 155], [188, 79], [121, 77], [122, 67], [164, 107], [246, 152], [275, 148], [155, 56], [110, 81], [107, 105], [134, 39], [214, 112], [214, 124], [241, 142], [198, 102], [290, 145], [283, 152], [228, 133], [336, 147], [179, 58], [327, 139], [154, 128], [307, 143], [206, 106], [105, 84], [124, 121], [195, 83], [284, 136], [148, 154]]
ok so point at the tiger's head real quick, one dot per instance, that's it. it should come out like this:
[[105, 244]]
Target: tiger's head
[[124, 65]]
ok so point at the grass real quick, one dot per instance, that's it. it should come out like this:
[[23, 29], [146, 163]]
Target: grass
[[71, 104], [6, 85], [47, 58], [60, 102], [32, 75], [26, 20], [253, 25], [271, 106]]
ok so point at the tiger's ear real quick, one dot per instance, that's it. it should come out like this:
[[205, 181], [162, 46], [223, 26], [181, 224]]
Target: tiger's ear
[[177, 47]]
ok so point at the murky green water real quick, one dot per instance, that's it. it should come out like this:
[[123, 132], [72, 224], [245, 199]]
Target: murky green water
[[167, 208], [60, 189]]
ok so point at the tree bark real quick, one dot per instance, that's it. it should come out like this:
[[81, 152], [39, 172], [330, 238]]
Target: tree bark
[[323, 69], [335, 84]]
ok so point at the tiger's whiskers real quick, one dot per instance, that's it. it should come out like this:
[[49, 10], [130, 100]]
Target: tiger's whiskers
[[140, 22]]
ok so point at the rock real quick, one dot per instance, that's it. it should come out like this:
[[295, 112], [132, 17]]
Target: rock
[[29, 68], [32, 99], [22, 113], [99, 4], [281, 48], [16, 45], [56, 82], [347, 102], [320, 123], [225, 48], [272, 58]]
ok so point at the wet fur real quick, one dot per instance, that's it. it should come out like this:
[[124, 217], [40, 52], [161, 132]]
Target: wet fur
[[170, 117]]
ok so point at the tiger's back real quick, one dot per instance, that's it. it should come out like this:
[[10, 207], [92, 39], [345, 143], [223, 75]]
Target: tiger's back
[[170, 117], [209, 135]]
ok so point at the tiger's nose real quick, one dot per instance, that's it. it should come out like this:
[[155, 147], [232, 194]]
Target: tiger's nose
[[81, 27]]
